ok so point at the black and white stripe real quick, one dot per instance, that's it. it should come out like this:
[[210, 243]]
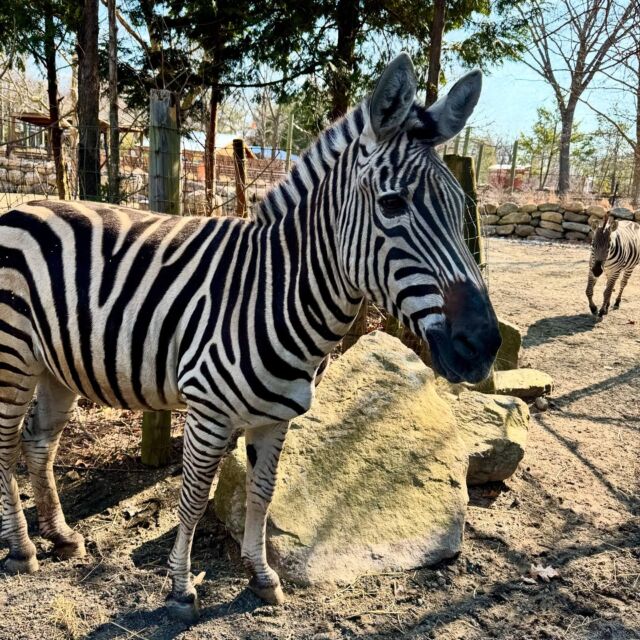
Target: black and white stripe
[[615, 251], [233, 319]]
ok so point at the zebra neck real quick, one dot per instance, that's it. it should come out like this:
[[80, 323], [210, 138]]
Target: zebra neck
[[300, 218], [312, 168]]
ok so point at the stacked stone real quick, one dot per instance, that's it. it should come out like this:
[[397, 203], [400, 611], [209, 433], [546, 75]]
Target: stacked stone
[[19, 175], [548, 220]]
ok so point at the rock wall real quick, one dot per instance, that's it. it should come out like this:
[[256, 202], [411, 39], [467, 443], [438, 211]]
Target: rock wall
[[20, 175], [548, 220]]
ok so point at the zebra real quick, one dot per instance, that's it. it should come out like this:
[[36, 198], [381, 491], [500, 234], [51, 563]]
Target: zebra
[[231, 318], [615, 250]]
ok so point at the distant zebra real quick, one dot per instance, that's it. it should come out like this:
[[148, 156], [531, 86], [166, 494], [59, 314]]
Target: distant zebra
[[615, 249], [232, 319]]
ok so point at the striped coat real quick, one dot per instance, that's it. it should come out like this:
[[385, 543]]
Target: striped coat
[[615, 251], [233, 319]]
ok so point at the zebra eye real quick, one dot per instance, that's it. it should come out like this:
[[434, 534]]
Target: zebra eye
[[392, 205]]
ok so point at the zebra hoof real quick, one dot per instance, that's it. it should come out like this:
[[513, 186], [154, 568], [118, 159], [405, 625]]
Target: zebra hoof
[[602, 313], [272, 594], [185, 609], [21, 565], [616, 306], [72, 547], [594, 310]]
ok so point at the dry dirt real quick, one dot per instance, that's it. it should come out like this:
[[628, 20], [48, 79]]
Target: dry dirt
[[573, 505]]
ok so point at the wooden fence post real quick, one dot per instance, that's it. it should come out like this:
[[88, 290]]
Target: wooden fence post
[[479, 160], [514, 158], [467, 136], [289, 142], [164, 197], [240, 163], [463, 170]]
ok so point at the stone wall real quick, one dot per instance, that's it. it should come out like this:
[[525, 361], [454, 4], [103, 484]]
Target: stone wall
[[21, 175], [548, 220]]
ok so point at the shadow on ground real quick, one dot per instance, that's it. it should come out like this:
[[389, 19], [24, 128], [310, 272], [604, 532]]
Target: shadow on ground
[[547, 329]]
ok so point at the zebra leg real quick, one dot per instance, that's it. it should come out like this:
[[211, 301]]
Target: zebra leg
[[40, 437], [608, 290], [264, 445], [204, 446], [15, 394], [623, 283], [590, 286]]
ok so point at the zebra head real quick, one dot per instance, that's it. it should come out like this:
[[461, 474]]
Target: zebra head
[[406, 217], [600, 244]]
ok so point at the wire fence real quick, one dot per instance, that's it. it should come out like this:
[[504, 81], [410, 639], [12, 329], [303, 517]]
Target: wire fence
[[28, 170]]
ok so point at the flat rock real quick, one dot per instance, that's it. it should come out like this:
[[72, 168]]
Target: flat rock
[[552, 216], [509, 352], [576, 235], [530, 207], [549, 206], [570, 216], [494, 429], [523, 383], [524, 230], [622, 213], [596, 210], [576, 226], [516, 217], [371, 479], [506, 208], [574, 206], [504, 229], [490, 219], [550, 234], [554, 226], [490, 208]]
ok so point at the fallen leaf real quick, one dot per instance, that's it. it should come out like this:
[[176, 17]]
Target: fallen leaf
[[199, 578], [544, 573]]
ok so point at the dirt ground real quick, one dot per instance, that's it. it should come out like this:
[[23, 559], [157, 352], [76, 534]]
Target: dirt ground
[[573, 505]]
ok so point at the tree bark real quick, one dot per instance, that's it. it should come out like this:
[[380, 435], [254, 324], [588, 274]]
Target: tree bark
[[348, 25], [635, 189], [54, 105], [88, 102], [210, 151], [436, 33], [114, 130], [564, 173]]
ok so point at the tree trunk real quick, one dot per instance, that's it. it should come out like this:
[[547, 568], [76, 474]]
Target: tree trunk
[[436, 32], [348, 24], [54, 106], [564, 174], [210, 152], [635, 192], [114, 131], [88, 102]]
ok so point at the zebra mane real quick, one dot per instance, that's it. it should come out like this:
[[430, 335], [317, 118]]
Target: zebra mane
[[314, 163]]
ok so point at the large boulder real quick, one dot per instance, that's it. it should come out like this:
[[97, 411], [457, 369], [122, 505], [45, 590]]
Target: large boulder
[[371, 479], [509, 352], [494, 429]]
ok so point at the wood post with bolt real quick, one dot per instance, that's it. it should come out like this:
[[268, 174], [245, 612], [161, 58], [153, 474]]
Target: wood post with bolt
[[164, 197]]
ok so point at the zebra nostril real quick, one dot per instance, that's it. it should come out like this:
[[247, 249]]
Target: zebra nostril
[[464, 347]]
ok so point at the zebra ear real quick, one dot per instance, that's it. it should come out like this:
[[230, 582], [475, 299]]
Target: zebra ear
[[393, 96], [450, 113]]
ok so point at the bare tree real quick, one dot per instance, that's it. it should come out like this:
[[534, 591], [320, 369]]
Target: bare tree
[[571, 42], [625, 79]]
